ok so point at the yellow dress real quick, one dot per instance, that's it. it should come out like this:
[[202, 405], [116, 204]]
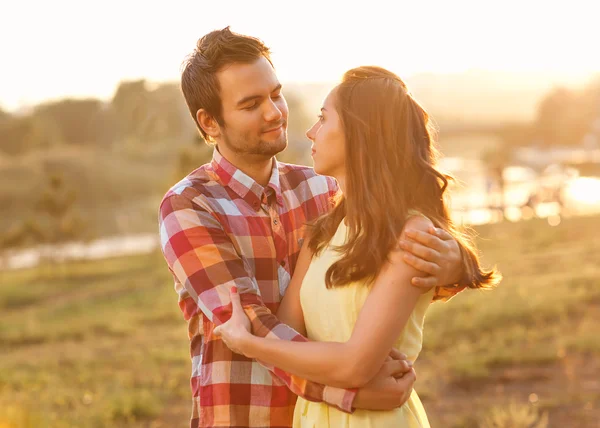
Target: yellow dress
[[330, 315]]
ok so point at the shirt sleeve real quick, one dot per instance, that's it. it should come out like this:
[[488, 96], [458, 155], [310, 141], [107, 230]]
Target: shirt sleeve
[[332, 187], [204, 260], [446, 293]]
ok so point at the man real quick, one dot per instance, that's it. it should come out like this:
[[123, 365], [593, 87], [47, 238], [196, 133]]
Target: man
[[239, 221]]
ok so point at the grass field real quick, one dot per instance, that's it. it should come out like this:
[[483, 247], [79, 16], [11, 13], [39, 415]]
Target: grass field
[[103, 344]]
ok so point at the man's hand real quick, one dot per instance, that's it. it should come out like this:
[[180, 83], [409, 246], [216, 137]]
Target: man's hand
[[435, 253], [390, 388]]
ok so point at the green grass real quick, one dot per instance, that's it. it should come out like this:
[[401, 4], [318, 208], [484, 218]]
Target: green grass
[[541, 309], [544, 314], [103, 343]]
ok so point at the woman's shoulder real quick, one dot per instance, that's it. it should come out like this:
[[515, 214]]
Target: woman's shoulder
[[415, 213], [416, 220]]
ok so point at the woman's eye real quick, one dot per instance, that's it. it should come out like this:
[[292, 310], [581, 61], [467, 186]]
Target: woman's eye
[[321, 118]]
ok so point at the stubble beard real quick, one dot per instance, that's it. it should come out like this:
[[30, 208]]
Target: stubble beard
[[259, 149]]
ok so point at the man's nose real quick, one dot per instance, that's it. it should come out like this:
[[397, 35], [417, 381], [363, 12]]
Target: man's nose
[[273, 112]]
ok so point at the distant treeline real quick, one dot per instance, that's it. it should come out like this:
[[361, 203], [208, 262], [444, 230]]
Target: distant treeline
[[564, 117], [135, 112], [80, 168], [151, 113], [114, 160]]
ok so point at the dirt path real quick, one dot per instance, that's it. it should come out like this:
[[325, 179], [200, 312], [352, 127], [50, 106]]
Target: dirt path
[[569, 391]]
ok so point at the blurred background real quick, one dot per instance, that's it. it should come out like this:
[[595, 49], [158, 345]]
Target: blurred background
[[94, 130]]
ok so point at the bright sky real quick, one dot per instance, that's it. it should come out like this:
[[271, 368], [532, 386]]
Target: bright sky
[[58, 48]]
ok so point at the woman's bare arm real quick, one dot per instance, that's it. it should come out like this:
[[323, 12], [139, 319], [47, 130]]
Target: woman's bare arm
[[381, 320], [290, 309]]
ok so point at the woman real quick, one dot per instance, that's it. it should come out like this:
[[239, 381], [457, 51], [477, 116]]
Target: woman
[[351, 291]]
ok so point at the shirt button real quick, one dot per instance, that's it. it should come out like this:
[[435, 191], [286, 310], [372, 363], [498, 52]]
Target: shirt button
[[282, 263], [275, 222]]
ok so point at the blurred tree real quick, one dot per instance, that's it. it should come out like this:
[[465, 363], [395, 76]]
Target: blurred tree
[[169, 115], [19, 135], [565, 117], [55, 218], [146, 115], [554, 117], [80, 122], [130, 105], [191, 157], [75, 122], [4, 115]]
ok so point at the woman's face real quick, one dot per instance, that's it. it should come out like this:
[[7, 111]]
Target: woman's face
[[329, 144]]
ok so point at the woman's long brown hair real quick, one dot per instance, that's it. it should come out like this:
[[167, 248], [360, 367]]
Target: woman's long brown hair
[[390, 169]]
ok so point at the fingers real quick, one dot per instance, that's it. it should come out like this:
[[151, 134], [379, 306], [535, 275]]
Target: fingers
[[408, 378], [397, 355], [426, 282], [427, 239], [429, 268], [441, 233], [421, 251], [397, 368], [236, 304]]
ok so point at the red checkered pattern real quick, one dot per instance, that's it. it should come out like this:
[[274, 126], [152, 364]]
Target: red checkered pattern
[[219, 228]]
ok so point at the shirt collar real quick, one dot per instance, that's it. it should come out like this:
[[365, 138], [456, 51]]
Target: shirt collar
[[244, 185]]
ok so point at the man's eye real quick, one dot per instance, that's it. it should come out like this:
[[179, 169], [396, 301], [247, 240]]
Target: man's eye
[[251, 107]]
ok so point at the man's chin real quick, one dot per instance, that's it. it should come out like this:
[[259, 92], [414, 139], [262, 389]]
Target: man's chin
[[272, 148]]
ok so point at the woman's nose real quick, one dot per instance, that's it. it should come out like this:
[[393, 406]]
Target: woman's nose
[[310, 134]]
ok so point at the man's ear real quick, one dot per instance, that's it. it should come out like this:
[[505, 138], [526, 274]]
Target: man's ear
[[208, 123]]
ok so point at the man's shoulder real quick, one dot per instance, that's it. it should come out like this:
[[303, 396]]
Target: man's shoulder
[[198, 184]]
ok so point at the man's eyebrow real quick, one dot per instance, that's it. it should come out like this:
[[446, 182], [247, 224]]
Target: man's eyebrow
[[256, 97]]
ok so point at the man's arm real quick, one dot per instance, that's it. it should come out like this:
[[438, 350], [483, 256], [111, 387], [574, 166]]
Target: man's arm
[[202, 257]]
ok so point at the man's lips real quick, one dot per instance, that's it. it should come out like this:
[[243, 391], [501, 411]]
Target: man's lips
[[278, 127]]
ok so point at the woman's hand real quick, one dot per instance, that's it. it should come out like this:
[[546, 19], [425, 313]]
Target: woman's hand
[[237, 331]]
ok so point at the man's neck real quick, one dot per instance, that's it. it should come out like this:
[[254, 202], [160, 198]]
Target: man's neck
[[257, 168]]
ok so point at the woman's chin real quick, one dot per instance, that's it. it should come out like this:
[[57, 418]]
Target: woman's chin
[[319, 170]]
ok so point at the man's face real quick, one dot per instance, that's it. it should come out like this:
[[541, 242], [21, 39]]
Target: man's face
[[254, 110]]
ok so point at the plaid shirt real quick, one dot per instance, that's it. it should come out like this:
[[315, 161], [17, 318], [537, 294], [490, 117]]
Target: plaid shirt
[[219, 228]]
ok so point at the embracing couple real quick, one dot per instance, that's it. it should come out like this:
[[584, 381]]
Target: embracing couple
[[305, 290]]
